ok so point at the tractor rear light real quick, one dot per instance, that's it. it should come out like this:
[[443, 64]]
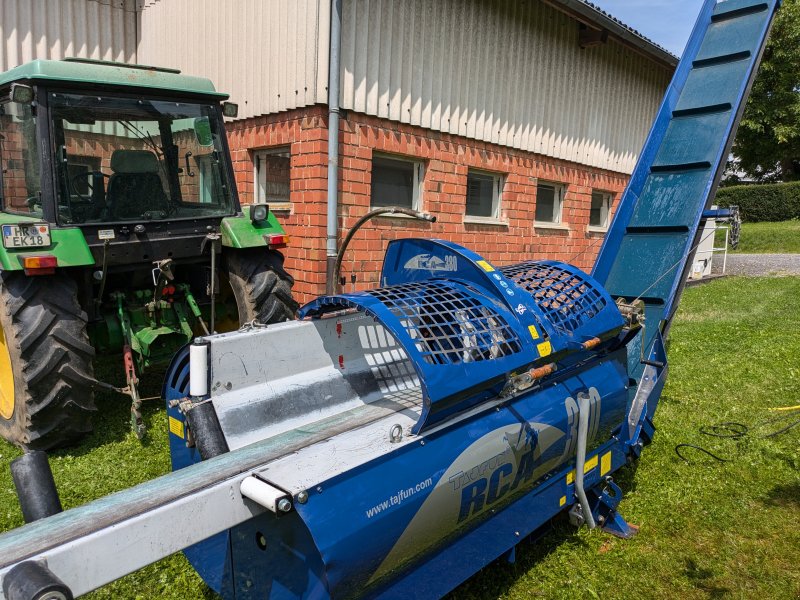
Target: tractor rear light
[[39, 265], [277, 240]]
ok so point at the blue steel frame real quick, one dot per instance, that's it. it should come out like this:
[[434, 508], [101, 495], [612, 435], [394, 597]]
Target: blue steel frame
[[653, 237]]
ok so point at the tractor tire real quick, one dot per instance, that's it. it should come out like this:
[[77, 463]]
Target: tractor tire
[[46, 372], [261, 286]]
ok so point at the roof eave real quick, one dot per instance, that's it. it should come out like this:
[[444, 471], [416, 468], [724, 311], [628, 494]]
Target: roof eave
[[591, 16]]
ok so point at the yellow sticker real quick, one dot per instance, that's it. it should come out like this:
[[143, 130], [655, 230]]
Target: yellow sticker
[[570, 477], [590, 464], [563, 501], [534, 333], [544, 348], [176, 427], [485, 266], [605, 463]]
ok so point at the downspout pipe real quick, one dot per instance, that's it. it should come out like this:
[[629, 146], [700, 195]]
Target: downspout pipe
[[333, 146]]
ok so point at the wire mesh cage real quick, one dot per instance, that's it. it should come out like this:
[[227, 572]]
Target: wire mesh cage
[[566, 297], [449, 325]]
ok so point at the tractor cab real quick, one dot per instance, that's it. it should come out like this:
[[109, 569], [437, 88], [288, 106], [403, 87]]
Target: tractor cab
[[122, 228], [83, 146]]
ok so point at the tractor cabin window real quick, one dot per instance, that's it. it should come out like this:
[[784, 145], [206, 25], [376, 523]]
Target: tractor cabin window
[[271, 175], [395, 182], [19, 159], [549, 201], [483, 195], [600, 211], [122, 159]]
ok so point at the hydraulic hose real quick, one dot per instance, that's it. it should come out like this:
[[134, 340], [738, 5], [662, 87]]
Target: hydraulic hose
[[580, 459], [373, 213]]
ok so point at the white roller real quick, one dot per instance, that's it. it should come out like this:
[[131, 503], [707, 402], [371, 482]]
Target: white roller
[[262, 493], [198, 370]]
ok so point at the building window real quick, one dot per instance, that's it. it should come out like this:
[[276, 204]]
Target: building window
[[271, 174], [483, 194], [549, 199], [395, 182], [601, 208]]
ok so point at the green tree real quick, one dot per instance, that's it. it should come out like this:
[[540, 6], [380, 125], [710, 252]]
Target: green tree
[[767, 147]]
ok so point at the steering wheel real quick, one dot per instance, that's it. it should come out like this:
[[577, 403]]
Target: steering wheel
[[33, 202], [90, 175]]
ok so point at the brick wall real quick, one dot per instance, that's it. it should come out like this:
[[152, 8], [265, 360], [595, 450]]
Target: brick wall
[[446, 159], [305, 133]]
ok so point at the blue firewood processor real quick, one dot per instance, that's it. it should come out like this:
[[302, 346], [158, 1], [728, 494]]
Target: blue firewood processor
[[393, 442]]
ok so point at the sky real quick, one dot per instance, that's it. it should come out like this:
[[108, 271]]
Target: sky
[[666, 22]]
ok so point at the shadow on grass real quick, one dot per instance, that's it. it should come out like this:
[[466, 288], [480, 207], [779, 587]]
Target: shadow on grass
[[784, 495], [702, 579], [497, 578]]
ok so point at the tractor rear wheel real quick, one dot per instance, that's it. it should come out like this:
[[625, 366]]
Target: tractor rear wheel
[[46, 372], [261, 286]]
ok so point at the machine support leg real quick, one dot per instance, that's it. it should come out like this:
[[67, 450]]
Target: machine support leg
[[608, 496], [36, 488]]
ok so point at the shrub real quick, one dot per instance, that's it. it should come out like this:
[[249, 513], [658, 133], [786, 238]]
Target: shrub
[[768, 202]]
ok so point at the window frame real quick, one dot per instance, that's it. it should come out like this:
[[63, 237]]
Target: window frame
[[608, 199], [259, 154], [418, 179], [559, 195], [498, 183]]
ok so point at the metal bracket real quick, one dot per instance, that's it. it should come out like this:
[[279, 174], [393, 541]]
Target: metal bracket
[[608, 497]]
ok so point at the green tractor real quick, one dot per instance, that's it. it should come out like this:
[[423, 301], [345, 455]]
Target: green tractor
[[122, 233]]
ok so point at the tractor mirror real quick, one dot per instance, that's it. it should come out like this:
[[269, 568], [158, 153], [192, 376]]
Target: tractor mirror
[[21, 93], [202, 131], [229, 109]]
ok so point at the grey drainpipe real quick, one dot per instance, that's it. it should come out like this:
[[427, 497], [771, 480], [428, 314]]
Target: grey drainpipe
[[333, 145]]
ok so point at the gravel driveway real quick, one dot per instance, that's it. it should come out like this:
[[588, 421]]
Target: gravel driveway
[[760, 264]]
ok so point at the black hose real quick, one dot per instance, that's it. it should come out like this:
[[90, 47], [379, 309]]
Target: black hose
[[373, 213], [737, 431]]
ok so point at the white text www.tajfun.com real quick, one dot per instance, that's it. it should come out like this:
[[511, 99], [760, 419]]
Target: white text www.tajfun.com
[[399, 497]]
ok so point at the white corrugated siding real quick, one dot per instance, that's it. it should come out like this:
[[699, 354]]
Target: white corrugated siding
[[54, 29], [269, 55], [509, 72]]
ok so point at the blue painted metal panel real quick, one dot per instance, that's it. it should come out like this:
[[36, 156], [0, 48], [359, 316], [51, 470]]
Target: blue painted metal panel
[[391, 514], [714, 85], [664, 194]]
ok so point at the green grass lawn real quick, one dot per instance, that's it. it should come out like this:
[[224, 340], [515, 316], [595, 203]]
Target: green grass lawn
[[766, 238], [708, 530]]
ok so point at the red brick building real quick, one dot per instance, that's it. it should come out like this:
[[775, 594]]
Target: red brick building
[[447, 161]]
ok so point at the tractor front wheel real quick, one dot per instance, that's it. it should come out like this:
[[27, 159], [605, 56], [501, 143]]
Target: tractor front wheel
[[46, 372], [261, 286]]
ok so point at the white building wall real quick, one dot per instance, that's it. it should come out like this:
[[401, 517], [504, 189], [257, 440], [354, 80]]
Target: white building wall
[[509, 72], [269, 55], [502, 71], [54, 29]]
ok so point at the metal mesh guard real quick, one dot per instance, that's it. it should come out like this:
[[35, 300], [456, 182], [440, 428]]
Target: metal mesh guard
[[567, 299], [447, 325]]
